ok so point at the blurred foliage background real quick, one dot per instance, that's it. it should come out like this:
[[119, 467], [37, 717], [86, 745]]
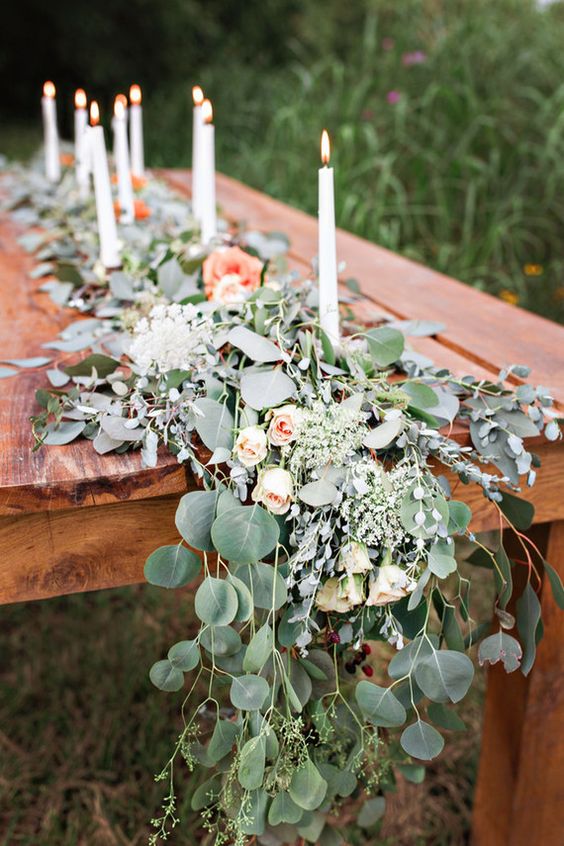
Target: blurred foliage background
[[447, 120]]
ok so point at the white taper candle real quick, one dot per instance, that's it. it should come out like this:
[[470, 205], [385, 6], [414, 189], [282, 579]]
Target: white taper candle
[[136, 132], [327, 253], [207, 165], [107, 229], [121, 155], [50, 133], [197, 125], [81, 159]]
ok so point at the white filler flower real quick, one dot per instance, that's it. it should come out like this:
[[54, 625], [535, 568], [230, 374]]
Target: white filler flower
[[172, 337]]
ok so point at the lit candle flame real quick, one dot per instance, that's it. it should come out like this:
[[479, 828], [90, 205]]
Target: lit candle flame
[[49, 90], [207, 111], [80, 98], [119, 109], [94, 113], [325, 147], [197, 95], [122, 99], [135, 95]]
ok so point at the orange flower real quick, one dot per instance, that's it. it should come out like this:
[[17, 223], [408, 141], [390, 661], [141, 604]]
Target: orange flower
[[233, 262], [66, 159], [138, 182], [141, 209], [117, 208], [509, 297]]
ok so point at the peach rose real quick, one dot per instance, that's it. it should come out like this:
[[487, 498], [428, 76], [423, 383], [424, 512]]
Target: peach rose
[[283, 426], [274, 489], [392, 583], [231, 262], [354, 558], [229, 290], [250, 446]]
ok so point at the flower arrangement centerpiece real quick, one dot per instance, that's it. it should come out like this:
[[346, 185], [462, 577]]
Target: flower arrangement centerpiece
[[321, 534]]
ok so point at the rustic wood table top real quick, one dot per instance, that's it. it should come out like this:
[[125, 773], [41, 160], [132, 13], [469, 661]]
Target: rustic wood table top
[[481, 335], [72, 520]]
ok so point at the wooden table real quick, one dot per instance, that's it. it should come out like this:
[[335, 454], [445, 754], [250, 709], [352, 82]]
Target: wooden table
[[71, 520]]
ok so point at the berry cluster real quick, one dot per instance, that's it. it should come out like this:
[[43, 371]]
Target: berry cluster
[[358, 659]]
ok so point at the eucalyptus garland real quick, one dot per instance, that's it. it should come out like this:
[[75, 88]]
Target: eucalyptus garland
[[322, 531]]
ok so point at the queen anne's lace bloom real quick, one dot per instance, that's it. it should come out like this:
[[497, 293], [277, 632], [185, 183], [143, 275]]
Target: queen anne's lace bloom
[[172, 337], [374, 513], [326, 433]]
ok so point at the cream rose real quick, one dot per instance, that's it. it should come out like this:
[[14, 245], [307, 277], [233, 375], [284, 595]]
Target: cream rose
[[354, 558], [329, 597], [274, 489], [391, 584], [229, 290], [250, 446], [341, 595], [283, 426]]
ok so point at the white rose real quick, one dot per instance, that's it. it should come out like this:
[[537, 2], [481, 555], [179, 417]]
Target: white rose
[[341, 595], [250, 446], [329, 597], [391, 584], [283, 426], [353, 590], [229, 290], [274, 489], [354, 558]]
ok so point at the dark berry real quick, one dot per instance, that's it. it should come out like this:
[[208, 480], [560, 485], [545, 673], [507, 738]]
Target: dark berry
[[333, 637], [359, 659], [368, 671], [366, 649], [350, 668]]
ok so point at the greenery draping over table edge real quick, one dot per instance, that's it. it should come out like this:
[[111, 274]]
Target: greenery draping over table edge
[[321, 525]]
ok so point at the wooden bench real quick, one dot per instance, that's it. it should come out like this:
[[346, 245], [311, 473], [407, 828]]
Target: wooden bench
[[65, 511]]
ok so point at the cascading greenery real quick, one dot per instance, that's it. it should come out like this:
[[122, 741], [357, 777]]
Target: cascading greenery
[[322, 525]]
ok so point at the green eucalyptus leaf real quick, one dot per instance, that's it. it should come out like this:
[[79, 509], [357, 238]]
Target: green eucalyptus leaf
[[253, 819], [501, 647], [221, 640], [194, 518], [266, 388], [216, 602], [371, 812], [245, 535], [415, 773], [184, 655], [267, 586], [555, 584], [222, 740], [444, 675], [459, 517], [249, 692], [252, 762], [214, 423], [284, 810], [206, 794], [379, 705], [528, 619], [245, 608], [256, 347], [422, 741], [166, 677], [385, 345], [103, 364], [308, 787], [259, 649], [172, 566], [445, 717], [519, 512]]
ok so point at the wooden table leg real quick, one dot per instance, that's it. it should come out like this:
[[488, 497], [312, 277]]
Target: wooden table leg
[[520, 791]]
